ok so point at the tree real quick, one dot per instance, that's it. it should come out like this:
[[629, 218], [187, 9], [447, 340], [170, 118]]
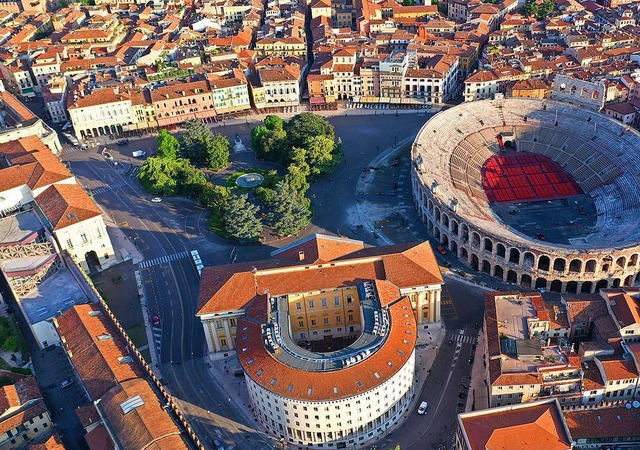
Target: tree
[[408, 2], [272, 123], [217, 149], [158, 176], [322, 154], [296, 177], [215, 197], [257, 133], [290, 210], [168, 145], [194, 141], [305, 125], [190, 180], [273, 147], [240, 220]]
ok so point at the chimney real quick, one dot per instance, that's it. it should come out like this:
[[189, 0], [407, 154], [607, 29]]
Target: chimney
[[301, 255]]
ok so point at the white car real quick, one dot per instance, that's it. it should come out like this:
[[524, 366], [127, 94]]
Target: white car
[[422, 409], [156, 199]]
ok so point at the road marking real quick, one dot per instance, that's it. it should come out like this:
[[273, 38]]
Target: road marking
[[162, 259], [111, 187], [462, 338]]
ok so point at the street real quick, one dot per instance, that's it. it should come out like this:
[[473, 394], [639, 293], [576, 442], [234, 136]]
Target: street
[[166, 232]]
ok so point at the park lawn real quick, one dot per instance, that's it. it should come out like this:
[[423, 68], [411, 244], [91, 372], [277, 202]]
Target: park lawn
[[138, 335]]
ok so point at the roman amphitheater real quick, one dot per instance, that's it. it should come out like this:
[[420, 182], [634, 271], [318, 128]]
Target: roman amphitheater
[[533, 192]]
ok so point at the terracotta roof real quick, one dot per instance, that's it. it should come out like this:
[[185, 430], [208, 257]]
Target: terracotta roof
[[13, 177], [39, 165], [98, 97], [602, 423], [17, 394], [317, 248], [67, 204], [625, 307], [16, 106], [52, 443], [584, 307], [87, 415], [592, 379], [355, 379], [94, 347], [617, 369], [23, 416], [534, 426], [147, 426], [231, 287]]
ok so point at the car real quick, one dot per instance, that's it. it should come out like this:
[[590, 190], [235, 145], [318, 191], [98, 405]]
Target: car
[[156, 321], [122, 142], [108, 156], [422, 409], [442, 250], [156, 199], [218, 444], [66, 383]]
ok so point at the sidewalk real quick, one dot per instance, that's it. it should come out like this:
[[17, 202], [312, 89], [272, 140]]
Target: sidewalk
[[478, 393]]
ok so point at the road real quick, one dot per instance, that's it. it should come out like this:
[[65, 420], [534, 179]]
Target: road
[[176, 226]]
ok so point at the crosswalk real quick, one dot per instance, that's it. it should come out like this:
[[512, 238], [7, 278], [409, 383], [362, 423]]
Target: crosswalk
[[157, 337], [133, 171], [70, 150], [111, 187], [163, 259], [462, 338]]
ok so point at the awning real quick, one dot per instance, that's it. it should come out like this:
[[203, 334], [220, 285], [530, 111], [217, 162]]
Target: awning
[[317, 100]]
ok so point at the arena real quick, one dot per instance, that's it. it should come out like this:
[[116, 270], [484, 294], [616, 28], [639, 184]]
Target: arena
[[534, 192]]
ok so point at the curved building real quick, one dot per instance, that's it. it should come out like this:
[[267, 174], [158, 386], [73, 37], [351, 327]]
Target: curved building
[[325, 332], [534, 192]]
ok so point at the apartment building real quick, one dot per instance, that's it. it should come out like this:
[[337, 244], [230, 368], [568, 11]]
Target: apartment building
[[181, 101], [99, 112]]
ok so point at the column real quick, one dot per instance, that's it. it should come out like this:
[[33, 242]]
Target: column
[[227, 333], [436, 308], [207, 335], [419, 305], [214, 332]]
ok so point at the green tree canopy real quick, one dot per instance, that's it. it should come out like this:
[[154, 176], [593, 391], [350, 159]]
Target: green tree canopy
[[305, 125], [539, 10], [273, 146], [213, 196], [290, 211], [158, 176], [240, 220], [193, 141], [168, 145], [272, 122], [322, 154], [257, 133], [217, 150], [408, 2]]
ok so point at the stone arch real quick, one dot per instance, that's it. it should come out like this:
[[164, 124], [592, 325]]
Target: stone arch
[[474, 262], [544, 263], [514, 256], [430, 207], [541, 283], [498, 272], [575, 265], [436, 233], [628, 281], [591, 266], [445, 220], [556, 286], [464, 254], [586, 288], [475, 239], [429, 226], [525, 280], [572, 287], [464, 232], [454, 227], [605, 266], [453, 246], [602, 284], [529, 259], [621, 262], [486, 267], [615, 283], [512, 276], [437, 215], [559, 264], [488, 245], [501, 250], [444, 240], [633, 260]]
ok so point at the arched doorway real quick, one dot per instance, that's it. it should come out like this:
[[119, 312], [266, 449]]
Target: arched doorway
[[544, 263], [615, 283], [541, 283], [501, 250], [474, 262], [586, 288], [498, 272], [488, 245], [514, 256], [454, 247], [528, 259], [556, 286], [486, 267], [559, 264], [602, 284], [92, 260], [512, 276], [572, 287], [590, 266], [575, 266], [525, 280], [628, 281]]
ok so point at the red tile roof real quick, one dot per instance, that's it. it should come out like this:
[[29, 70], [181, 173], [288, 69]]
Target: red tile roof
[[147, 426], [67, 204], [603, 423], [231, 287], [625, 307], [19, 393], [52, 443], [94, 347], [534, 426], [23, 416], [618, 369]]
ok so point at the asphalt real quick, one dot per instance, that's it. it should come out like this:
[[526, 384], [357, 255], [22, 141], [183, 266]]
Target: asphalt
[[176, 225]]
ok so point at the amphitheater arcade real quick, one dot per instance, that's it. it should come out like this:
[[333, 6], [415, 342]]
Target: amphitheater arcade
[[601, 154]]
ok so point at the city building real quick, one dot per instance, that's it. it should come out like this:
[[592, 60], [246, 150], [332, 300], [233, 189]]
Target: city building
[[324, 294]]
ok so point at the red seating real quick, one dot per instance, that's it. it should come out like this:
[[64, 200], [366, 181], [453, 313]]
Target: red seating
[[522, 176]]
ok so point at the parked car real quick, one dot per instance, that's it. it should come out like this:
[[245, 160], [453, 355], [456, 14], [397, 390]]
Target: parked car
[[442, 250], [108, 156], [156, 321], [156, 199], [66, 383], [422, 409], [139, 154], [123, 142]]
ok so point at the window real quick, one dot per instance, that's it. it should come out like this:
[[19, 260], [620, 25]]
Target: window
[[300, 323], [336, 301], [349, 299], [350, 317], [324, 302], [298, 305], [311, 304], [338, 319], [69, 243], [84, 238], [313, 322], [326, 321]]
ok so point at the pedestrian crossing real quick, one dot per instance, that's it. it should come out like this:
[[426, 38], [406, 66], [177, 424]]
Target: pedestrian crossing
[[111, 187], [70, 150], [157, 337], [133, 171], [163, 259], [462, 338]]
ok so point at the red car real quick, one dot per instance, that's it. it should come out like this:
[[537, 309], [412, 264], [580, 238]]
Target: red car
[[442, 250], [155, 320]]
